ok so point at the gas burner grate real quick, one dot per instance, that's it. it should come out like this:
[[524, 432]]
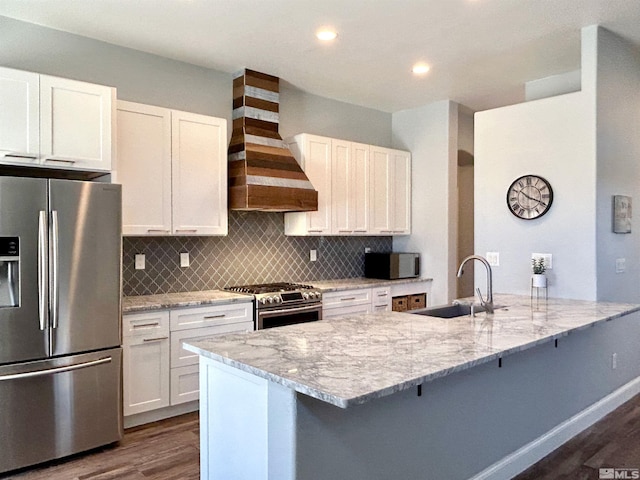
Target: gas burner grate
[[268, 288]]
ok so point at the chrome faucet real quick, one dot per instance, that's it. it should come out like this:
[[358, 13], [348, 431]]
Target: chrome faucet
[[488, 303]]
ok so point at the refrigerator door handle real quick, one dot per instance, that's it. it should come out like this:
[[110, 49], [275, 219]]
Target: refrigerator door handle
[[54, 269], [42, 270], [52, 371]]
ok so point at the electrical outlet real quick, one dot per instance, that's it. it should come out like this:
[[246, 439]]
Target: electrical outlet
[[313, 255], [140, 261], [184, 259], [621, 265], [493, 258], [614, 361], [367, 249], [547, 257]]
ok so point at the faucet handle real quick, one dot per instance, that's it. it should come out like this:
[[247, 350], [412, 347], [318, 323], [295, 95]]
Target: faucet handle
[[482, 302]]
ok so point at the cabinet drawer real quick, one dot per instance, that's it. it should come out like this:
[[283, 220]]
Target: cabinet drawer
[[342, 311], [181, 357], [346, 298], [186, 318], [381, 296], [148, 324], [185, 384]]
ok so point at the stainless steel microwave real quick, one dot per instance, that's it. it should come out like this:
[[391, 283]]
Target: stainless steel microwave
[[391, 266]]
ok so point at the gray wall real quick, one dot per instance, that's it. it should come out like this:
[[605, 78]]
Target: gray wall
[[145, 78]]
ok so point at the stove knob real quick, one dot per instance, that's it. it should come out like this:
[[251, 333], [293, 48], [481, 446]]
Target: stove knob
[[270, 299], [277, 299], [263, 300], [305, 296]]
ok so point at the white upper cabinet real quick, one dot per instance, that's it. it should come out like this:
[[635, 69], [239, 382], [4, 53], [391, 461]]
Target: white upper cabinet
[[199, 174], [55, 122], [390, 191], [359, 193], [144, 168], [314, 155], [75, 123], [19, 116], [350, 188], [173, 170]]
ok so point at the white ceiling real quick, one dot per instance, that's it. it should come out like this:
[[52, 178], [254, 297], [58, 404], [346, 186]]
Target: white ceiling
[[481, 51]]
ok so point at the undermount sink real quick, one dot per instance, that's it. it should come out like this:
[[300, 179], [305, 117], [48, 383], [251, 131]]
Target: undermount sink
[[452, 311]]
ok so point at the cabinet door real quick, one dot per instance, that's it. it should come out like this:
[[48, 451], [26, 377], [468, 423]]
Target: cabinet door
[[342, 185], [359, 190], [75, 123], [401, 202], [199, 174], [185, 384], [144, 168], [317, 165], [146, 359], [19, 116], [381, 194]]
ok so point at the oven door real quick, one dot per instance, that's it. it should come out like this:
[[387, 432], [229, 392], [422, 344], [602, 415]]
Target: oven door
[[288, 316]]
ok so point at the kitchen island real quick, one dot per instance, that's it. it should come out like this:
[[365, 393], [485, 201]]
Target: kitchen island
[[394, 395]]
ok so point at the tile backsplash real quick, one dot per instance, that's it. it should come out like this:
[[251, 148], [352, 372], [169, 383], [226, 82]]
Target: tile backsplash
[[255, 251]]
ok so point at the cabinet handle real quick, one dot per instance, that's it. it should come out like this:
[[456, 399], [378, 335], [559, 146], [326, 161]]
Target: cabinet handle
[[382, 294], [187, 230], [142, 325], [348, 298], [360, 231], [315, 231], [157, 230], [208, 317], [22, 155], [60, 159], [386, 231], [345, 231], [157, 339]]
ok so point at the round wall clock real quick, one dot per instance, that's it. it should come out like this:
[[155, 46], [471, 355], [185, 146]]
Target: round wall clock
[[529, 197]]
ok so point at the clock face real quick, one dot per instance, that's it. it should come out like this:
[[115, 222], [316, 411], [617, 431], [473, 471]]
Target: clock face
[[529, 197]]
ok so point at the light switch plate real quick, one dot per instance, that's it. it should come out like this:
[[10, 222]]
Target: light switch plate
[[493, 258], [621, 265], [313, 255], [140, 261], [184, 259]]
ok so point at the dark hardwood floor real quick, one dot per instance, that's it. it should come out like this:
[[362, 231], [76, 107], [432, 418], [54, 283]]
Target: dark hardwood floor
[[169, 450]]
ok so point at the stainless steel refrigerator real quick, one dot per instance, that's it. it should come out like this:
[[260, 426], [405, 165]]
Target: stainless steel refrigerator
[[60, 334]]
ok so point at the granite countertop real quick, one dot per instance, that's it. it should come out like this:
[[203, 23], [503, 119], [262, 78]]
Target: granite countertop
[[141, 303], [356, 358], [360, 282]]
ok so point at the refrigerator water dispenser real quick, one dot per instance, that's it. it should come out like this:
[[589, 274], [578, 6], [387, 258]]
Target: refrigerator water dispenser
[[9, 272]]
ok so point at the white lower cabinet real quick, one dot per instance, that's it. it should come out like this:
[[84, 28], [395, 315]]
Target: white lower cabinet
[[381, 299], [346, 302], [157, 371], [146, 358]]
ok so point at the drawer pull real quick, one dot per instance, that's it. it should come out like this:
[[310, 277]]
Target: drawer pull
[[186, 230], [315, 231], [70, 161], [157, 230], [209, 317], [28, 156], [382, 294], [144, 325], [157, 339], [347, 299]]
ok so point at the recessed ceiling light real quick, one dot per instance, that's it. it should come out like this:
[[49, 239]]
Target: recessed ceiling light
[[326, 34], [420, 68]]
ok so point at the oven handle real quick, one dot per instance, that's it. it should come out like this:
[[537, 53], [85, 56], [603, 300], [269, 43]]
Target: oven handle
[[306, 308]]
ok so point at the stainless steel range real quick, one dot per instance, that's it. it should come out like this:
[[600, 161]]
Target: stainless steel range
[[279, 304]]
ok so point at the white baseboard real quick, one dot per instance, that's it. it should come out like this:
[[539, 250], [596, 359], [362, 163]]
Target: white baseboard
[[524, 457], [160, 414]]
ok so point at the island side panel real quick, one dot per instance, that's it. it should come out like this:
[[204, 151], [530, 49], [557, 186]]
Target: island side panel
[[464, 423], [246, 425]]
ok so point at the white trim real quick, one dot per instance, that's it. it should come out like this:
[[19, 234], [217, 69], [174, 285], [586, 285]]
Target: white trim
[[534, 451], [159, 414]]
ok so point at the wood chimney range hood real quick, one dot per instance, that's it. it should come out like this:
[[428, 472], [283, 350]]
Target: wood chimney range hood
[[263, 173]]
